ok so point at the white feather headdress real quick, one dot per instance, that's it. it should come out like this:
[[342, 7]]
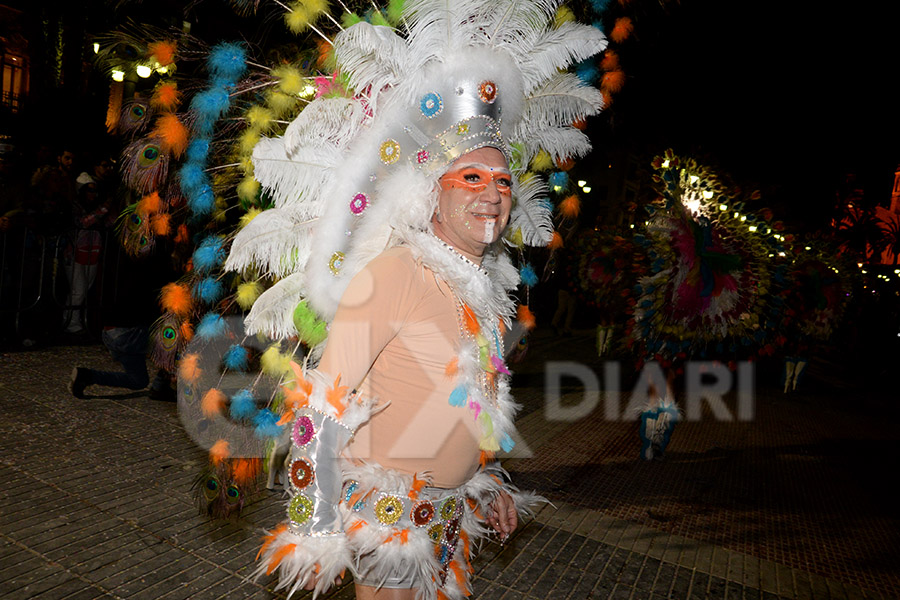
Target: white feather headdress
[[349, 173]]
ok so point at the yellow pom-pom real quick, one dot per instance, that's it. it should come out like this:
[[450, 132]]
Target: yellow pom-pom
[[248, 189], [260, 118], [297, 18], [247, 293], [249, 216], [274, 363], [542, 161], [563, 15], [219, 213], [280, 103], [290, 80], [316, 7], [248, 140], [516, 238]]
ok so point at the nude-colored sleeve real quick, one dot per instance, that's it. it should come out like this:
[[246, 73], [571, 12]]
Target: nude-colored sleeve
[[371, 312]]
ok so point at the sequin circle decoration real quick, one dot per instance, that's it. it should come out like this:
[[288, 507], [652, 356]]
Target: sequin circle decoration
[[448, 508], [431, 104], [388, 510], [422, 156], [300, 509], [389, 152], [303, 431], [359, 203], [422, 513], [487, 91], [435, 532], [302, 473], [337, 259], [462, 129]]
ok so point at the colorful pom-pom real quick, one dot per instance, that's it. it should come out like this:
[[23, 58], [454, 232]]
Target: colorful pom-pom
[[570, 207], [613, 80], [525, 316], [213, 402], [176, 298], [243, 405], [209, 290], [227, 61], [165, 97], [458, 396], [528, 276], [192, 177], [556, 241], [266, 424], [622, 30], [236, 358], [247, 293], [274, 363], [189, 368], [212, 325], [558, 179], [197, 151], [164, 51], [209, 254], [311, 329], [173, 133], [219, 452]]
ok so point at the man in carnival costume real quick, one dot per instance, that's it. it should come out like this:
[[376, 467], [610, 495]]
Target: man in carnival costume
[[393, 205]]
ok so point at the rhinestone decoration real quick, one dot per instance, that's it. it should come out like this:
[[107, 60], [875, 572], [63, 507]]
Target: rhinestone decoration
[[352, 486], [422, 156], [422, 513], [337, 259], [359, 203], [389, 152], [302, 473], [360, 504], [435, 532], [300, 509], [431, 104], [303, 431], [462, 129], [388, 510], [448, 508], [487, 91]]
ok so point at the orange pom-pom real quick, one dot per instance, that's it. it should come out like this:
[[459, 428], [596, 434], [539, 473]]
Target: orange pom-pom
[[161, 224], [525, 316], [166, 97], [219, 452], [610, 61], [571, 206], [149, 204], [452, 368], [622, 30], [579, 124], [187, 331], [246, 470], [607, 98], [556, 241], [182, 236], [325, 53], [213, 402], [565, 164], [176, 298], [189, 368], [163, 51], [173, 133], [613, 81]]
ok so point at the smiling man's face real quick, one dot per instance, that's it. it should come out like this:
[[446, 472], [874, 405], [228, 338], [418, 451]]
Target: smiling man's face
[[475, 200]]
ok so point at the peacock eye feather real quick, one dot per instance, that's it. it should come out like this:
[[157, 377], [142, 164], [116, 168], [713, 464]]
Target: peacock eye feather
[[232, 494], [149, 156], [211, 488]]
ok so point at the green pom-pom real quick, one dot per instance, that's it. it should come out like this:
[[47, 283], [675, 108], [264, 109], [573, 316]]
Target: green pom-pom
[[312, 330], [395, 11], [377, 18], [350, 19]]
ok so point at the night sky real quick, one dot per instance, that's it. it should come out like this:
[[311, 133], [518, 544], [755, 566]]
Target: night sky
[[789, 96]]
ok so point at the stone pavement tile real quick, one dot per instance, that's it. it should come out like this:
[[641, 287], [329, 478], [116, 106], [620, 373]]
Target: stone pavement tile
[[117, 570], [68, 587], [681, 582], [665, 577], [768, 576], [716, 587], [566, 582], [532, 574], [784, 575], [92, 536], [718, 566], [699, 585], [15, 565], [750, 572], [250, 591], [176, 571], [214, 588], [141, 571], [89, 594], [191, 588], [735, 571], [85, 524], [32, 582], [631, 568], [647, 576]]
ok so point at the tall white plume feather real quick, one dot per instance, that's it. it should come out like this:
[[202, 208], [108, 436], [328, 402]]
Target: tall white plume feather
[[326, 122], [532, 214], [555, 49], [272, 243], [290, 178], [273, 312], [561, 101], [373, 57], [559, 142]]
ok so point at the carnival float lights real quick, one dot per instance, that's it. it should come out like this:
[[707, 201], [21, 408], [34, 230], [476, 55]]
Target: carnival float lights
[[584, 186]]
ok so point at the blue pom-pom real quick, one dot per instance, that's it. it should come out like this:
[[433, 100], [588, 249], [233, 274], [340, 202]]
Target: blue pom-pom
[[587, 71], [227, 61], [198, 150], [506, 443], [209, 290], [528, 276], [598, 24], [210, 104], [559, 179], [458, 396], [236, 358], [202, 202], [243, 406], [266, 424], [599, 6], [211, 325], [208, 255], [192, 177], [545, 204]]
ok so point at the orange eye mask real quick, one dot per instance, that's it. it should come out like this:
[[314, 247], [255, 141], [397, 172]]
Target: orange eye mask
[[476, 180]]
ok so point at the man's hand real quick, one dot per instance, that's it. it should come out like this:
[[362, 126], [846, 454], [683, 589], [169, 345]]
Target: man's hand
[[503, 517]]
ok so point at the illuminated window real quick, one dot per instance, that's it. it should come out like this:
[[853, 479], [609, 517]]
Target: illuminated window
[[14, 82]]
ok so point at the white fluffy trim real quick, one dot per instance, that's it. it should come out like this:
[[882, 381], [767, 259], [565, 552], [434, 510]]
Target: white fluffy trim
[[325, 557]]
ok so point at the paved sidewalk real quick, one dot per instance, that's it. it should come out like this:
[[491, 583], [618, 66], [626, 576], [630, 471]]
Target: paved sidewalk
[[96, 503]]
